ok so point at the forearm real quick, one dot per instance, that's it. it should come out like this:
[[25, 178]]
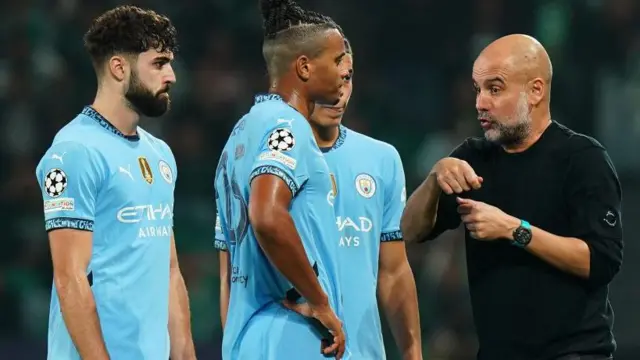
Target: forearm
[[281, 243], [179, 319], [421, 210], [397, 294], [224, 295], [568, 254], [80, 316]]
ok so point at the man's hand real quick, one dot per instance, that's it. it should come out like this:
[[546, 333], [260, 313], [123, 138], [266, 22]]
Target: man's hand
[[455, 176], [328, 318], [486, 222]]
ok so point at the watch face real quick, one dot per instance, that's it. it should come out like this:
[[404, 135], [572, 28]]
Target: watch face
[[522, 236]]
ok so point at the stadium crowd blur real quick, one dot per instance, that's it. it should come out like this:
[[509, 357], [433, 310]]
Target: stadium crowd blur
[[412, 89]]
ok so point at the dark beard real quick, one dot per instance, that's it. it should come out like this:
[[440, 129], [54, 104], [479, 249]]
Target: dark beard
[[511, 135], [144, 101]]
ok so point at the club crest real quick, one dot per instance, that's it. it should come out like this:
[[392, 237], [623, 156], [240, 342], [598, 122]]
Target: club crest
[[365, 185]]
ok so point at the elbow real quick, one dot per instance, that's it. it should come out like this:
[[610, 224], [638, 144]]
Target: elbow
[[604, 265], [602, 274], [411, 237], [413, 232], [71, 284], [64, 279], [174, 267], [264, 219]]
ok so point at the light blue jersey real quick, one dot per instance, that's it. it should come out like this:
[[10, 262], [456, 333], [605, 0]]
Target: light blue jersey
[[94, 178], [369, 203], [273, 138]]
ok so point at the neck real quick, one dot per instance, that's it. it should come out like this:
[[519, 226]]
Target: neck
[[326, 136], [537, 129], [294, 97], [115, 109]]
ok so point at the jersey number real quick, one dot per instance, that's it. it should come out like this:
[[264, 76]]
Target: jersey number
[[234, 203]]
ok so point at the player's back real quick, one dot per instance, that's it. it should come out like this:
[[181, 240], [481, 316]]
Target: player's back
[[369, 203], [120, 187], [274, 139]]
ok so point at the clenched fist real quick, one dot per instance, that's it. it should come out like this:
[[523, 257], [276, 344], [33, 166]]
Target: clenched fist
[[455, 176]]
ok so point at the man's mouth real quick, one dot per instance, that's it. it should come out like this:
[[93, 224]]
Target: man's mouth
[[485, 123], [336, 109]]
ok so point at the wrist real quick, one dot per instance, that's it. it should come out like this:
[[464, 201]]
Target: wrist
[[512, 224], [322, 302], [521, 235]]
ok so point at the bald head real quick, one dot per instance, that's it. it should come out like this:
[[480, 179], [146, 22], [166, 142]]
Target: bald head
[[512, 77], [522, 54]]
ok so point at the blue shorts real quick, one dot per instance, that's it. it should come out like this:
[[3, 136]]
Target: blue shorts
[[277, 333]]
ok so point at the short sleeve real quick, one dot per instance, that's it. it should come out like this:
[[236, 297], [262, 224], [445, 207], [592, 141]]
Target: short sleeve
[[283, 150], [395, 198], [219, 242], [172, 173], [172, 162], [69, 178], [447, 217], [595, 210]]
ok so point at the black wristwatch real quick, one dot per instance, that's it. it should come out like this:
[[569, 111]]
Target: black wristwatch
[[522, 235]]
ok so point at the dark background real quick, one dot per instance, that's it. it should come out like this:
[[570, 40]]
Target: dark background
[[413, 89]]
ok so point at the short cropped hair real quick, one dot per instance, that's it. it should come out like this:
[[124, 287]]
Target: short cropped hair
[[347, 47]]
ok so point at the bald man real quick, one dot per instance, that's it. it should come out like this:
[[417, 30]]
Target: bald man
[[541, 208]]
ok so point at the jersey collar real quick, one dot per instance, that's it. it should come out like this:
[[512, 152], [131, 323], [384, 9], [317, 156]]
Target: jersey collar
[[267, 97], [343, 130], [339, 141], [92, 113]]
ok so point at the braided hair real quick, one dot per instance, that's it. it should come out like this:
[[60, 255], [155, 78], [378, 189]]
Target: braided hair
[[290, 31]]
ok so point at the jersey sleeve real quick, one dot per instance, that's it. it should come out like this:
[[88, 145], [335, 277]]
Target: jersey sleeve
[[595, 211], [283, 150], [395, 197], [219, 242], [172, 172], [69, 178], [447, 217]]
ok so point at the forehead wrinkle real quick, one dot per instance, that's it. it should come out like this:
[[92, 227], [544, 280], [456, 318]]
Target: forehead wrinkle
[[507, 67]]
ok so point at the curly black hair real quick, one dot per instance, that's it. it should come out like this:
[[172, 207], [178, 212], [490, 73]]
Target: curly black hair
[[289, 31], [129, 30]]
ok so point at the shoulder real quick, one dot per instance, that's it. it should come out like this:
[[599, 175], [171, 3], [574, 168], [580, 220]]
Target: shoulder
[[81, 131], [574, 142], [372, 147], [385, 164], [586, 155], [73, 158], [472, 147], [268, 118], [155, 142]]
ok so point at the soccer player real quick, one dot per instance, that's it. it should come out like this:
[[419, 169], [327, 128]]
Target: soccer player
[[272, 192], [369, 199], [108, 202], [541, 206], [369, 194]]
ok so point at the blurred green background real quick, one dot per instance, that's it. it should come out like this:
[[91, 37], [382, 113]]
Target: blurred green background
[[412, 89]]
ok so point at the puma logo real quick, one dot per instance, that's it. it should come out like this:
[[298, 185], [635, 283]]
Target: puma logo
[[58, 157], [126, 171]]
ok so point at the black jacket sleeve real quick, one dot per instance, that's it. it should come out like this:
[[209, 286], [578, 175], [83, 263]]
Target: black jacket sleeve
[[447, 217], [595, 210]]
